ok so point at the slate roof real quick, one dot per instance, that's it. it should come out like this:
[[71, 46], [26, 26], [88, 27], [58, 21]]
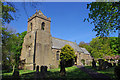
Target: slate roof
[[59, 43], [85, 51]]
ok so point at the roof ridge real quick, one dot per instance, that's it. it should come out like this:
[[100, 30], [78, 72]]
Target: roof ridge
[[63, 40]]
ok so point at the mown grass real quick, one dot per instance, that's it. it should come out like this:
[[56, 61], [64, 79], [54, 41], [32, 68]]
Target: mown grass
[[71, 73], [109, 72]]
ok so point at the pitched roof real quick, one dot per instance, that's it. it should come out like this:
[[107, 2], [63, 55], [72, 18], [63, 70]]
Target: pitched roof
[[85, 51], [59, 43]]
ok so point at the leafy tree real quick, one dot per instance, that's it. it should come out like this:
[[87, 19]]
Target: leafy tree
[[100, 47], [8, 40], [86, 46], [6, 10], [114, 45], [18, 47], [105, 17], [11, 48], [68, 54]]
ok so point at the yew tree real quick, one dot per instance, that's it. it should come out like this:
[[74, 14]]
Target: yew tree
[[68, 54]]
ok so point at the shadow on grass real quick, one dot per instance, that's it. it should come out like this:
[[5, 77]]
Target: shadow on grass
[[108, 72], [73, 74]]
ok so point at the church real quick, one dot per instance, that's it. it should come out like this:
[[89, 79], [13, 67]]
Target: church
[[41, 49]]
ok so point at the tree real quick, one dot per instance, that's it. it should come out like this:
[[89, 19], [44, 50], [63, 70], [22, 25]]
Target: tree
[[114, 45], [68, 54], [8, 40], [100, 47], [6, 10], [11, 48], [86, 46], [105, 17], [11, 7]]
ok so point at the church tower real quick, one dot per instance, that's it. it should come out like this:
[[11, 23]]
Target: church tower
[[36, 49]]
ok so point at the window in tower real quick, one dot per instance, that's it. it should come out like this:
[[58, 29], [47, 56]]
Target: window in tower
[[42, 26]]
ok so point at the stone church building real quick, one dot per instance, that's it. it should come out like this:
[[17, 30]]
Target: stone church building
[[40, 48]]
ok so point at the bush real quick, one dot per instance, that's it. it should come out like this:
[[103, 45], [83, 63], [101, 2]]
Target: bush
[[68, 54], [117, 72]]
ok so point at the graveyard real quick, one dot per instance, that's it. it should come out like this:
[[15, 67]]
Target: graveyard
[[60, 41]]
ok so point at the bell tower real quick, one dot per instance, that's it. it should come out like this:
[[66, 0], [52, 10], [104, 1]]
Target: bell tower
[[36, 49]]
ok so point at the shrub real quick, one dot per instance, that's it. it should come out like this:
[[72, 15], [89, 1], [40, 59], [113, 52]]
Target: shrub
[[68, 54]]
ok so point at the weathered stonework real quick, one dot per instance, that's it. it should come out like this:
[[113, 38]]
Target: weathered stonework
[[41, 49]]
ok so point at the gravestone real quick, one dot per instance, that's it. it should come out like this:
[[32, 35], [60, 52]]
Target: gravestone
[[43, 69], [93, 64], [37, 69], [37, 74], [62, 68]]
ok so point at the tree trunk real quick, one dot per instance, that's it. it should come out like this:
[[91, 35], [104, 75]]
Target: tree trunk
[[13, 68]]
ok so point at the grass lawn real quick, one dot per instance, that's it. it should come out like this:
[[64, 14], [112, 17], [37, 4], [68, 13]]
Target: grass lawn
[[109, 72], [71, 72]]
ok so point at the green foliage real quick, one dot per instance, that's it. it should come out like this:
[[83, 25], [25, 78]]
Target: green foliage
[[100, 47], [6, 10], [114, 45], [67, 53], [105, 17], [8, 39], [86, 46], [11, 48]]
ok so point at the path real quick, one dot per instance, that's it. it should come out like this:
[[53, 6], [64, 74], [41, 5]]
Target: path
[[94, 74]]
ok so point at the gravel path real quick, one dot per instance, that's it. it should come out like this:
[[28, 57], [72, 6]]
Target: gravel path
[[94, 74]]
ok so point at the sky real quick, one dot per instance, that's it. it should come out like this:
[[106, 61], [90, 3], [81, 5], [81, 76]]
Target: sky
[[66, 19]]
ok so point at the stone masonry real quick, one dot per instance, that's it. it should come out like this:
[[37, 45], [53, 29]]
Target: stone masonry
[[41, 49]]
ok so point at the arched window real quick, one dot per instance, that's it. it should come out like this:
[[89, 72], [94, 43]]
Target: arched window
[[42, 26], [31, 26]]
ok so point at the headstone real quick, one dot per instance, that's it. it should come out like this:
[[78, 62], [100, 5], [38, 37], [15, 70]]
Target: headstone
[[43, 69], [93, 64], [37, 69], [62, 68]]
